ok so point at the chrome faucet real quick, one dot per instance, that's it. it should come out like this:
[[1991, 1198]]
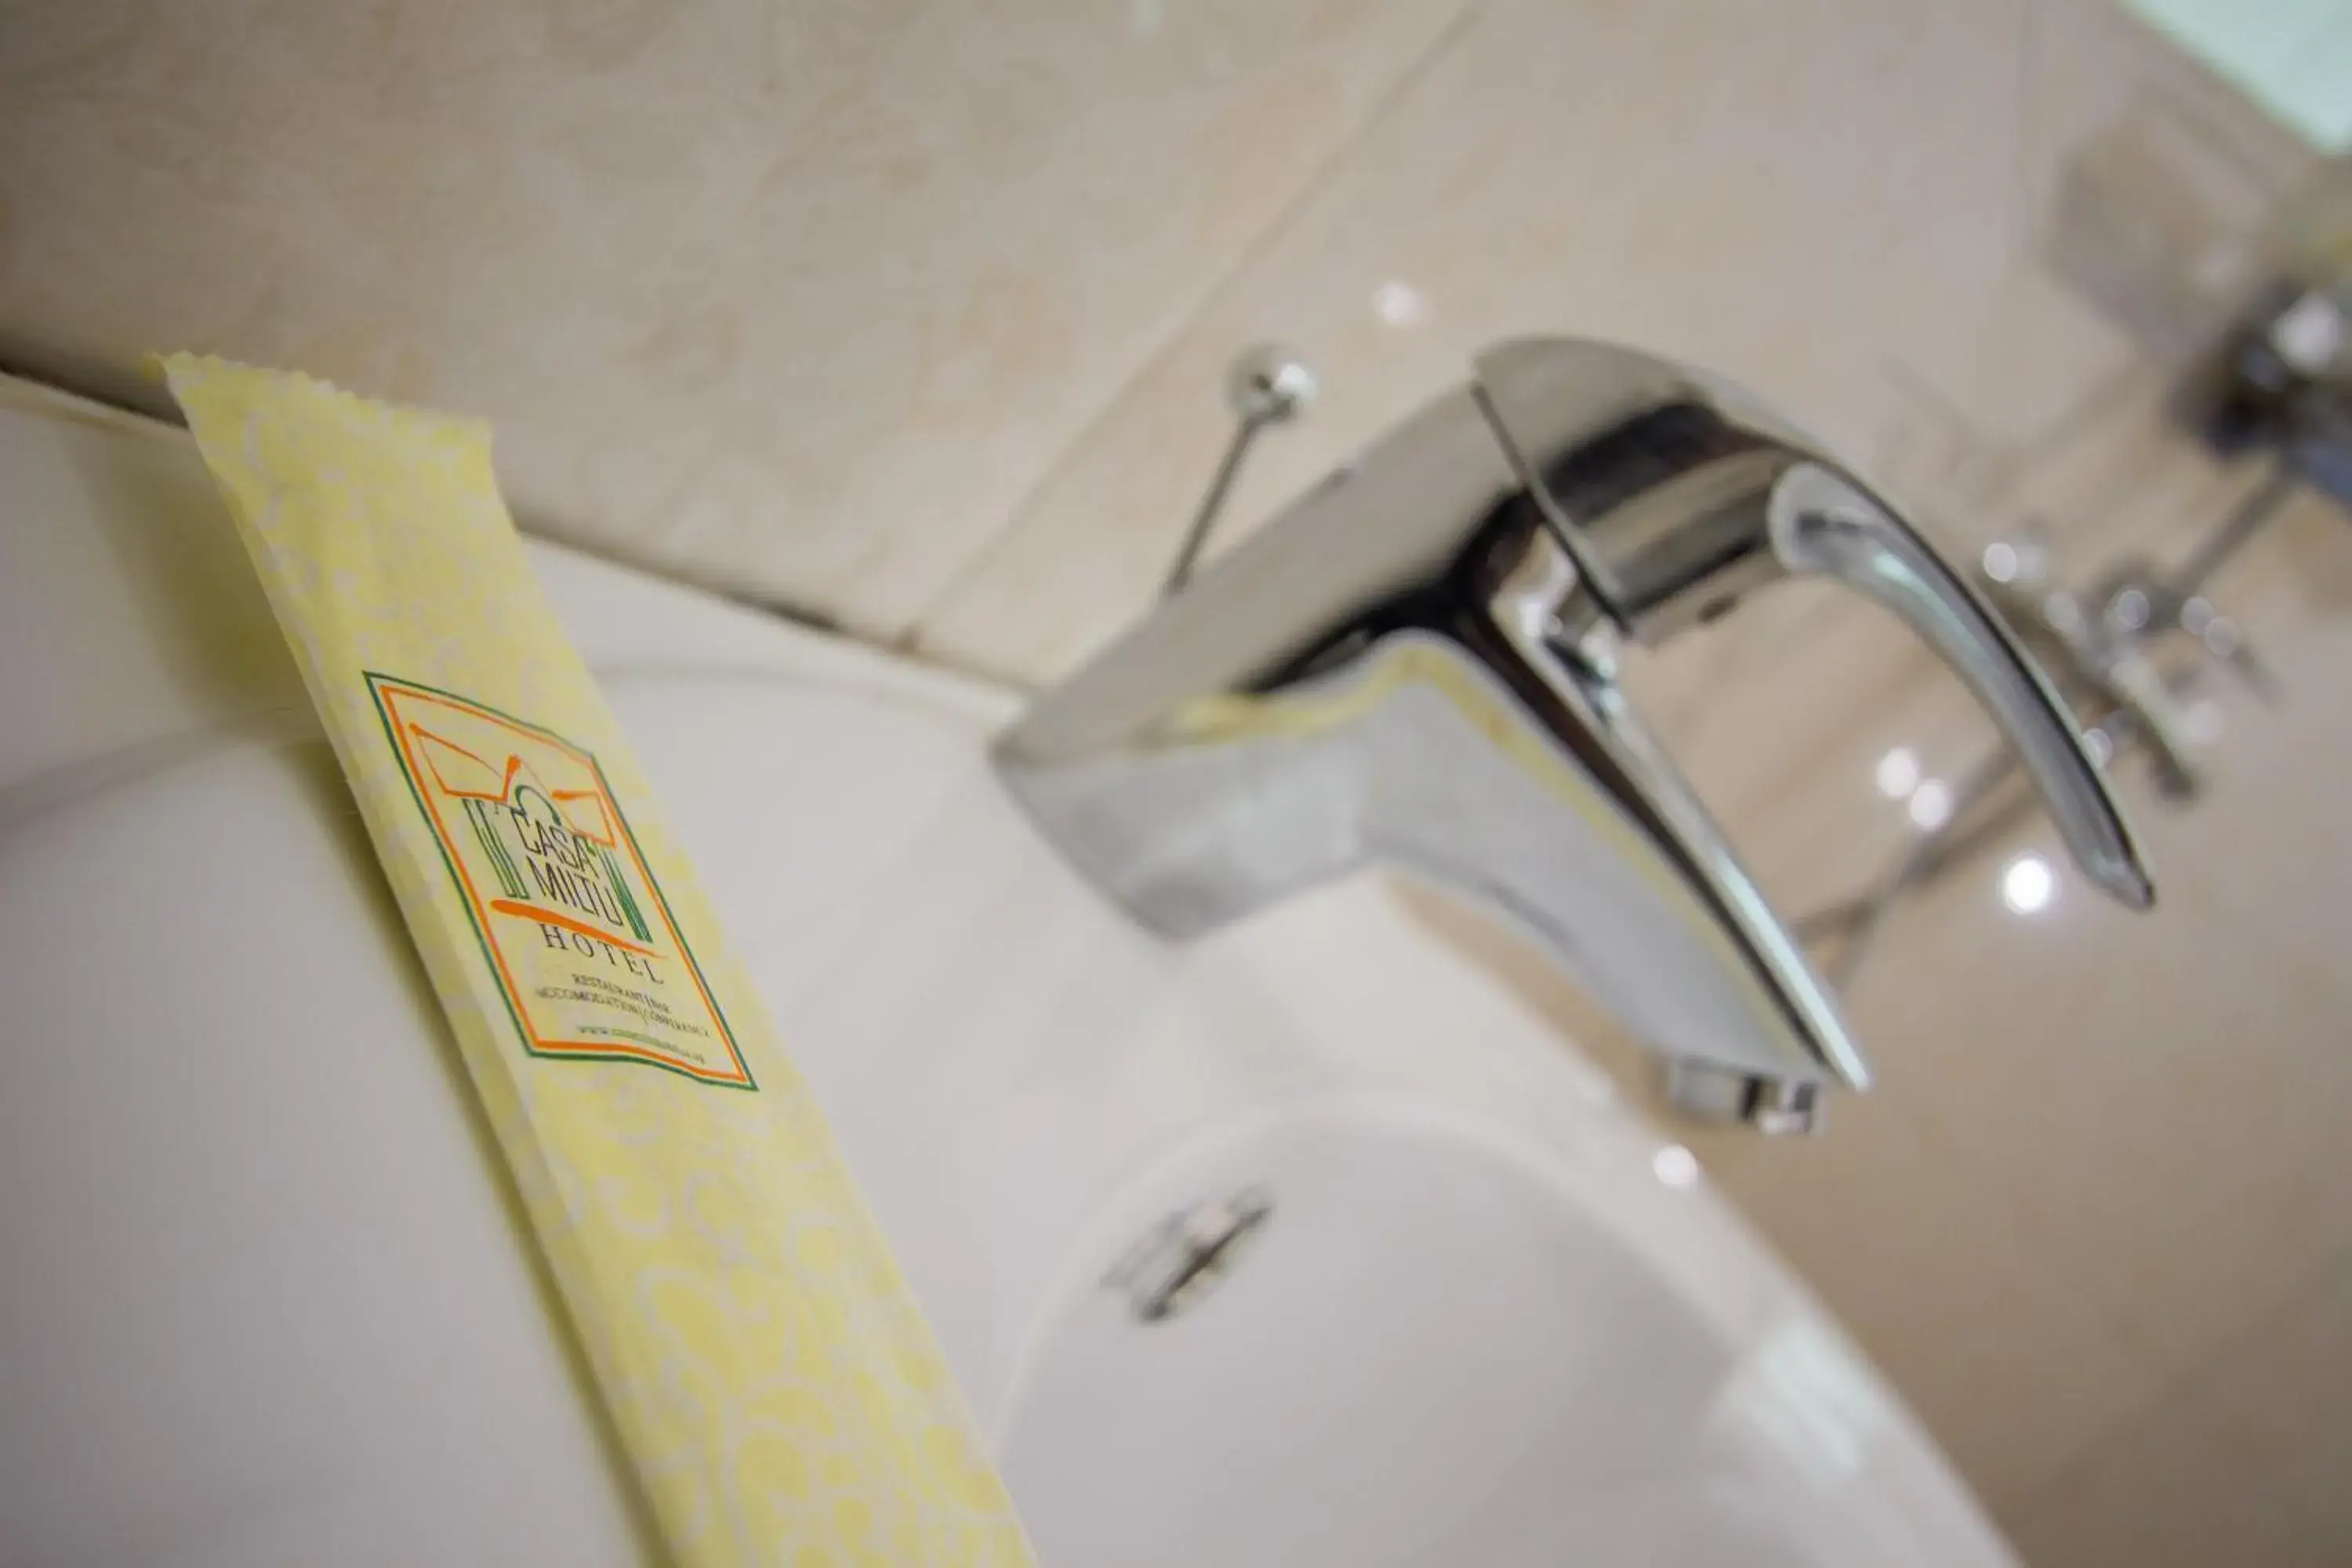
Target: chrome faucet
[[1415, 666]]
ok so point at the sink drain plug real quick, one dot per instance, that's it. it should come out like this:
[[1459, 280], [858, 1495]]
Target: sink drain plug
[[1188, 1255]]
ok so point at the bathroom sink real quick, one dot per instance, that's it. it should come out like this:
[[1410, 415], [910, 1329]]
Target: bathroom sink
[[1481, 1312], [1433, 1352], [1484, 1315]]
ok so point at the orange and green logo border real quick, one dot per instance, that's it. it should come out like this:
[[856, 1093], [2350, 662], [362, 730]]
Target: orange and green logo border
[[565, 1050]]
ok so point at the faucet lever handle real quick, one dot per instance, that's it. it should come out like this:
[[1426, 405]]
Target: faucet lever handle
[[1674, 493], [1822, 522]]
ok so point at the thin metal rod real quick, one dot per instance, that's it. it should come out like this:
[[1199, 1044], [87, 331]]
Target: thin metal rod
[[1179, 571], [1859, 920], [2245, 520], [1855, 923]]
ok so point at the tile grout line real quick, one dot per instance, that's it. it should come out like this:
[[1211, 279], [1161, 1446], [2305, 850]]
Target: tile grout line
[[909, 638]]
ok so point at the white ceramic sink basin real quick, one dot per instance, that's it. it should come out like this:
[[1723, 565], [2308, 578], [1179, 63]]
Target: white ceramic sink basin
[[1436, 1355], [263, 1298], [1491, 1320]]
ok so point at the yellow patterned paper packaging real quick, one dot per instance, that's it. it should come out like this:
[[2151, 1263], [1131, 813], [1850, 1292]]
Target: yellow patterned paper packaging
[[769, 1374]]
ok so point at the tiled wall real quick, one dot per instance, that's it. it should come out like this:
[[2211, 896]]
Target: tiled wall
[[913, 315], [799, 299], [1841, 204]]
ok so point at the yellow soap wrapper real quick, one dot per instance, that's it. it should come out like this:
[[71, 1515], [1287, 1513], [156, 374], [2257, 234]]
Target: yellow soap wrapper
[[775, 1387]]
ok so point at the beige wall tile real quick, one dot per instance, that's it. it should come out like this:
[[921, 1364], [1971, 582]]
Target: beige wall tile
[[2160, 1101], [2243, 1462], [2175, 1490], [2284, 1394], [1802, 197], [798, 299]]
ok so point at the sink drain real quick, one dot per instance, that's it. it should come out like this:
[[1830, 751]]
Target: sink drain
[[1188, 1255]]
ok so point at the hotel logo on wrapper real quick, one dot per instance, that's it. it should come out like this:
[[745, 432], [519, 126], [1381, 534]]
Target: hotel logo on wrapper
[[574, 927]]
